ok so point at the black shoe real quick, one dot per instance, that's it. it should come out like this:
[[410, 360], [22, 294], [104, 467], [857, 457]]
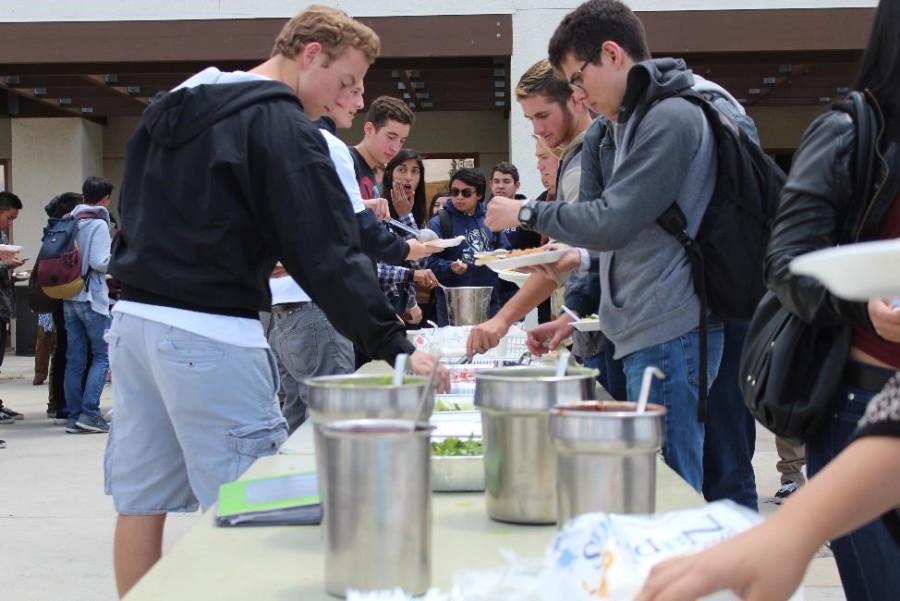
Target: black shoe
[[6, 418]]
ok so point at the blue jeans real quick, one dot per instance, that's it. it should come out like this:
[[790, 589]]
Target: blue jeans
[[868, 559], [84, 328], [730, 430], [612, 374], [679, 359]]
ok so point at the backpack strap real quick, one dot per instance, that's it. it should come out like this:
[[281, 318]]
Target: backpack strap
[[674, 222], [865, 124]]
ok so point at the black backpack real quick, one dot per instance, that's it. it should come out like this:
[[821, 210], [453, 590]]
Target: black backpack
[[727, 256]]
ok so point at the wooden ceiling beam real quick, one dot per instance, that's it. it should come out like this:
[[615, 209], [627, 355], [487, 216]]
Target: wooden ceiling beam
[[121, 91], [64, 111]]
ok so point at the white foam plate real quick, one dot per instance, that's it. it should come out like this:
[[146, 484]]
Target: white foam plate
[[10, 248], [587, 325], [541, 258], [511, 275], [445, 242], [855, 271]]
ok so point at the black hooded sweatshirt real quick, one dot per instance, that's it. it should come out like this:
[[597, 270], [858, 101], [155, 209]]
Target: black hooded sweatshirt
[[223, 180]]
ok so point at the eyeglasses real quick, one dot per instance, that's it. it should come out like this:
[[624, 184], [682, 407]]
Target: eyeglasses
[[575, 80], [465, 192]]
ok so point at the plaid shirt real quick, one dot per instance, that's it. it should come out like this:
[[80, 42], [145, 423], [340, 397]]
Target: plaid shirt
[[393, 277]]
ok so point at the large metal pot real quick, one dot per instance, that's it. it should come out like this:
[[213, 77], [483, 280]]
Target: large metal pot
[[606, 457], [468, 305], [519, 463], [377, 505], [360, 396]]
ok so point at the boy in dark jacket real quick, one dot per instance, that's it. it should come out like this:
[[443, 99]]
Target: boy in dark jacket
[[464, 216], [233, 172]]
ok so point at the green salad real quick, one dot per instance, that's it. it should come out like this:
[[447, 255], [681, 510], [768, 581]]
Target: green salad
[[442, 405], [458, 447]]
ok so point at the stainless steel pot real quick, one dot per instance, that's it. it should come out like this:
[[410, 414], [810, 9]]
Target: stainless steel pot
[[468, 305], [360, 396], [606, 457], [519, 464], [377, 505]]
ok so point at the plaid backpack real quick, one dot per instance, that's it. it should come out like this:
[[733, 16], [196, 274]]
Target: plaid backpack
[[58, 269]]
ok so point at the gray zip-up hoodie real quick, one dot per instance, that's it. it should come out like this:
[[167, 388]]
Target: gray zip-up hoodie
[[647, 295]]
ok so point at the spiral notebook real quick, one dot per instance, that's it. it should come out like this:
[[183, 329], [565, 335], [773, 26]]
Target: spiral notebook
[[288, 500]]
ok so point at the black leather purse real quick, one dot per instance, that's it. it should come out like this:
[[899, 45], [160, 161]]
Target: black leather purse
[[790, 370]]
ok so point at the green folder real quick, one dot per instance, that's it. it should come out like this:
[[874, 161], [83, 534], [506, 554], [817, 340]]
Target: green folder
[[290, 499]]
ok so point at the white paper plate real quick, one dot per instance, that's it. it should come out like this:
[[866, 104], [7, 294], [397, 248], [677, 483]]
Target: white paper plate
[[10, 248], [549, 256], [445, 242], [856, 271], [511, 275], [587, 325]]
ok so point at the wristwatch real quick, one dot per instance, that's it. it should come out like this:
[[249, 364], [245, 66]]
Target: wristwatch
[[527, 215]]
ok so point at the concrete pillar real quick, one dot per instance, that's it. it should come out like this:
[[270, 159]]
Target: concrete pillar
[[49, 156], [531, 35]]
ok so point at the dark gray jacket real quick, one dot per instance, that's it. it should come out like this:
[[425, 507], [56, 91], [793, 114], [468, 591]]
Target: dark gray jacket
[[647, 295]]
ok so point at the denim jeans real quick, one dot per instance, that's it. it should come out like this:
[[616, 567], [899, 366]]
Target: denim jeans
[[868, 559], [679, 359], [730, 430], [612, 373], [306, 345], [84, 328]]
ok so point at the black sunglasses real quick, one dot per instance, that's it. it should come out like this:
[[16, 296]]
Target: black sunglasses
[[465, 192], [575, 80]]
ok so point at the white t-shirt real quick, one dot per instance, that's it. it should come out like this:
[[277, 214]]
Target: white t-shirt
[[286, 289]]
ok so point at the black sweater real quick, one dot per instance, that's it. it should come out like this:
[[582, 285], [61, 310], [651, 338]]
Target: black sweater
[[223, 180]]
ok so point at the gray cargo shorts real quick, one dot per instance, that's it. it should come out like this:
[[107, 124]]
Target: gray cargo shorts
[[191, 413]]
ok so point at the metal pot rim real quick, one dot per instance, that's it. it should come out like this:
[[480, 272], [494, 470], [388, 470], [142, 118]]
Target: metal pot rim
[[409, 381], [582, 410], [505, 374]]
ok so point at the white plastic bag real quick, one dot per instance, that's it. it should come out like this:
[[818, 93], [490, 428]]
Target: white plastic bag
[[599, 556]]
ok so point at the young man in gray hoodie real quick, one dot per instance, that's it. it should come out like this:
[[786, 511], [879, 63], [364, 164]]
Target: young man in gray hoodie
[[87, 313], [665, 154]]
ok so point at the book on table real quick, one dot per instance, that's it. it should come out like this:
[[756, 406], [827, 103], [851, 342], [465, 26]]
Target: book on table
[[290, 499]]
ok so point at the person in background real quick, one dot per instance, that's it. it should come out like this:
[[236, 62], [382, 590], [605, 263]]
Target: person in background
[[437, 203], [791, 459], [43, 348], [404, 183], [56, 401], [464, 216], [10, 205], [87, 313]]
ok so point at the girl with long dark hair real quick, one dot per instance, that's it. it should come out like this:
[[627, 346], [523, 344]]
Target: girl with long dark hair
[[404, 187], [832, 199]]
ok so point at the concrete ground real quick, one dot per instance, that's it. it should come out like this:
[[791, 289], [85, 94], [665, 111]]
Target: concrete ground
[[56, 525]]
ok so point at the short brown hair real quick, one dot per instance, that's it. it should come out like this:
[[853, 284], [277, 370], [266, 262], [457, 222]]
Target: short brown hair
[[506, 168], [388, 108], [585, 29], [334, 29], [540, 80]]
